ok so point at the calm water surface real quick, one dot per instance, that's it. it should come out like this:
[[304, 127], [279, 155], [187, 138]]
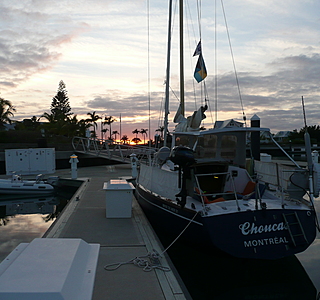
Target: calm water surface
[[209, 274], [24, 219]]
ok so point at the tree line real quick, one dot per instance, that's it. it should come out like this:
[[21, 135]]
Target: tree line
[[61, 121]]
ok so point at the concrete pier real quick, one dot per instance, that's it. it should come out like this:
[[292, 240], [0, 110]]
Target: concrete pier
[[120, 240]]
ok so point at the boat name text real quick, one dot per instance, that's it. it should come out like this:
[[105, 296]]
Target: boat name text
[[266, 242], [168, 207], [251, 228]]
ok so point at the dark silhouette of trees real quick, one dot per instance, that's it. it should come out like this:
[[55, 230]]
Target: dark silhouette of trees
[[93, 120], [144, 134], [124, 139], [136, 132], [161, 130], [104, 130], [82, 125], [60, 107], [136, 140], [32, 124], [115, 133], [6, 111], [108, 121], [298, 136], [59, 120]]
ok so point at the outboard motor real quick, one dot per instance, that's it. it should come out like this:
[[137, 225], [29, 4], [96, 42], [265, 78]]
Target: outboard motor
[[181, 156], [184, 158]]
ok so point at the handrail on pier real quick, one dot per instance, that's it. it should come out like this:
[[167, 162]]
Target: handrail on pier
[[110, 149]]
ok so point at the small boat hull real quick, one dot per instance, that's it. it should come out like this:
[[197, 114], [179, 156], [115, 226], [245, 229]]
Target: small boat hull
[[258, 234], [25, 188]]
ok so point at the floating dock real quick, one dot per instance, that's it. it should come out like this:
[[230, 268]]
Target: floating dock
[[120, 239]]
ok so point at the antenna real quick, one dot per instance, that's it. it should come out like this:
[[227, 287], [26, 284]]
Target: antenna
[[304, 113], [307, 142]]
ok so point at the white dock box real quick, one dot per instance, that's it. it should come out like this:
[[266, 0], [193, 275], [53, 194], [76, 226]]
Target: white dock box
[[50, 269], [119, 195]]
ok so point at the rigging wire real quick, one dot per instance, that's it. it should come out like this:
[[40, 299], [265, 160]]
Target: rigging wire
[[162, 104], [149, 90], [215, 63], [234, 65], [190, 47]]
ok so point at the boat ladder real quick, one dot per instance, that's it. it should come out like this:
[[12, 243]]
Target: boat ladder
[[295, 229]]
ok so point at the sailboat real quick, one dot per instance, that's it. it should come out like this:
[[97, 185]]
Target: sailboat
[[206, 191]]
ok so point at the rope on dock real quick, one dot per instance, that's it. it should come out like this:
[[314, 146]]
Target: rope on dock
[[153, 258], [152, 262]]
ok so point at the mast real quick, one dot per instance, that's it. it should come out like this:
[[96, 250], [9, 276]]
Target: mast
[[166, 105], [181, 58]]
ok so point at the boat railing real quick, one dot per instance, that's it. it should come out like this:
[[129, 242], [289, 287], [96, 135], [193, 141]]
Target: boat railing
[[275, 174], [216, 196]]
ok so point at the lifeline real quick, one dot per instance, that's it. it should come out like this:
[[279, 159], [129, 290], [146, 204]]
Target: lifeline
[[266, 242]]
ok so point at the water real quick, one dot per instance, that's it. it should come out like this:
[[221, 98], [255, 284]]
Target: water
[[24, 219], [211, 274]]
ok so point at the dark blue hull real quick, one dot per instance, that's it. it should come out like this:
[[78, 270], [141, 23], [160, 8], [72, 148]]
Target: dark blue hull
[[260, 234]]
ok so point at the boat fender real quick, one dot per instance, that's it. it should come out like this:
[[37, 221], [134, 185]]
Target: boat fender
[[220, 199], [205, 198], [316, 179], [207, 201], [249, 188]]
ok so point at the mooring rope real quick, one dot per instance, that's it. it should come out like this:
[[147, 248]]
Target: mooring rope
[[150, 261]]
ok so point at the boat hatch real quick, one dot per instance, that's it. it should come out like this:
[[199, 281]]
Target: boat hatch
[[211, 177]]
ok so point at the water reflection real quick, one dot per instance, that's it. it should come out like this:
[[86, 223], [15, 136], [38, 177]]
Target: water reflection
[[310, 259], [23, 219], [210, 274]]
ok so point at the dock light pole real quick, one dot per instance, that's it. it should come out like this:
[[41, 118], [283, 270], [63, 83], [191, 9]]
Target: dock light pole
[[74, 161], [134, 165]]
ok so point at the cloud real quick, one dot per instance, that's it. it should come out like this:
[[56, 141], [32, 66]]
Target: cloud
[[99, 48], [274, 97], [30, 41]]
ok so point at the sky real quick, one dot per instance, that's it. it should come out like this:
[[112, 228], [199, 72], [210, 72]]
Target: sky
[[111, 55]]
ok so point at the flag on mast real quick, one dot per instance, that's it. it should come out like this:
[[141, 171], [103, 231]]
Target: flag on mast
[[198, 49], [200, 72]]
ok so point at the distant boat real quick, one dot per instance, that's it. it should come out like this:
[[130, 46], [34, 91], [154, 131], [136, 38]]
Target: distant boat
[[206, 190], [17, 186]]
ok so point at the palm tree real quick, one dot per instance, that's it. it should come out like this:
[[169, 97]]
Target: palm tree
[[109, 120], [93, 119], [51, 126], [144, 134], [136, 140], [6, 111], [83, 125], [124, 139], [48, 117], [115, 133], [104, 130], [73, 126], [136, 132], [161, 129]]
